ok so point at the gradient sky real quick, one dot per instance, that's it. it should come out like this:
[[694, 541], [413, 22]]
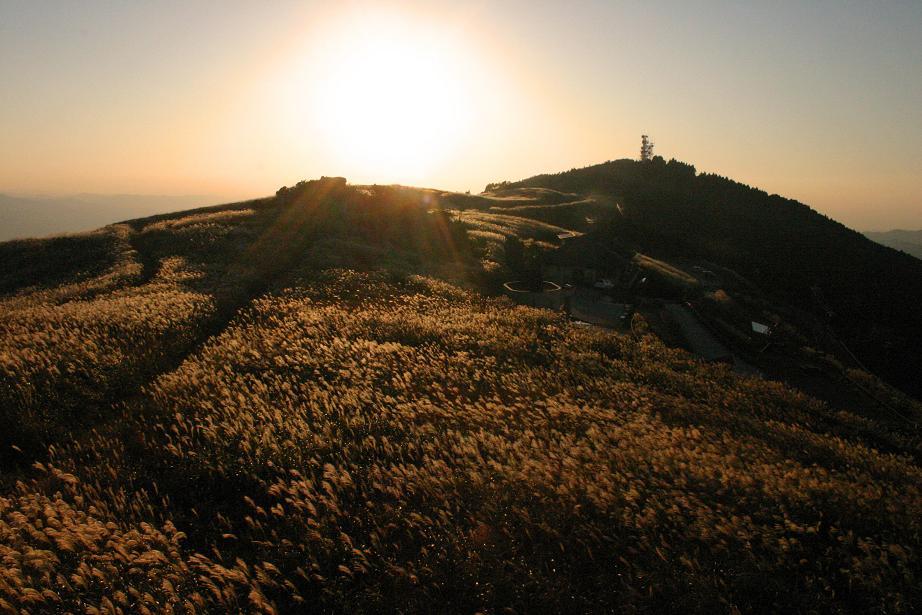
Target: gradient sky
[[818, 101]]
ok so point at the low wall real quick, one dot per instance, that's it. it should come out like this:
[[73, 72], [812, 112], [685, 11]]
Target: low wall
[[552, 297]]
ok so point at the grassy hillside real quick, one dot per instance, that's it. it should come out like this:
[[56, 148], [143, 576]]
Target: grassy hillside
[[792, 252], [305, 403]]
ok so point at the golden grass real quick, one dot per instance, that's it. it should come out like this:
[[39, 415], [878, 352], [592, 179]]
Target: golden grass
[[507, 226], [665, 269], [370, 442], [209, 220]]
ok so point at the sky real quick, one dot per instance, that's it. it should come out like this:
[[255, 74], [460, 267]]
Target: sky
[[818, 101]]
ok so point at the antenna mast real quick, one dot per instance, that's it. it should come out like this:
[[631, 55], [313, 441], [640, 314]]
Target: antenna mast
[[646, 148]]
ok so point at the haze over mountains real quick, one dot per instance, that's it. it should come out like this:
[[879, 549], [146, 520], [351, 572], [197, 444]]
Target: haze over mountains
[[38, 216], [909, 242]]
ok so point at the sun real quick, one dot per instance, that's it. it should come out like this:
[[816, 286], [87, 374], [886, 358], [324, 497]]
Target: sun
[[390, 97]]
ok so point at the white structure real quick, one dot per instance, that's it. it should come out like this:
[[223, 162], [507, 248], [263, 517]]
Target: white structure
[[646, 148]]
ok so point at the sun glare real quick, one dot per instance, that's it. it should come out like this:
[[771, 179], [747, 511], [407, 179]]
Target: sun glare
[[389, 97]]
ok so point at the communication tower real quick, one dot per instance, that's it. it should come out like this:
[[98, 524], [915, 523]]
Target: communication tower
[[646, 148]]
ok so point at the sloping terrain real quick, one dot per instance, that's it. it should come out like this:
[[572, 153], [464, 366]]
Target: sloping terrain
[[573, 211], [870, 294], [304, 403]]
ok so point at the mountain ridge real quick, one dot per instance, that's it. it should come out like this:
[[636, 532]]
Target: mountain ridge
[[320, 400], [786, 247]]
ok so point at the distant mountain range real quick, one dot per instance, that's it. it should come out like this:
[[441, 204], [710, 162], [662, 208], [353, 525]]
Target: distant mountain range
[[22, 216], [909, 242]]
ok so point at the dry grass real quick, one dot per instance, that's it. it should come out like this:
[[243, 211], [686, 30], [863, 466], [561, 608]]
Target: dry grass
[[372, 442], [666, 270], [209, 220], [65, 350], [509, 226]]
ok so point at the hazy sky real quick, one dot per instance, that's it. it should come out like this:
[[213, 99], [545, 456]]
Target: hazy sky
[[819, 101]]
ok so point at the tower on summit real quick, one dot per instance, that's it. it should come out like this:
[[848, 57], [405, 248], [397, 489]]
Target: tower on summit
[[646, 148]]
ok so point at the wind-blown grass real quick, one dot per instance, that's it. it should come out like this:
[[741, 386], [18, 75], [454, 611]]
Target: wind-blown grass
[[371, 441]]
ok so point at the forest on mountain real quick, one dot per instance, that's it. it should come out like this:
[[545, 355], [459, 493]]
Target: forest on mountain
[[868, 293], [317, 402]]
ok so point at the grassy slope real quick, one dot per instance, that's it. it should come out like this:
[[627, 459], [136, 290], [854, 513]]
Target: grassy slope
[[316, 426], [784, 246]]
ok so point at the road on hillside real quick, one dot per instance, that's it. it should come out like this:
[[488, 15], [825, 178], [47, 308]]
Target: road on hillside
[[703, 343]]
